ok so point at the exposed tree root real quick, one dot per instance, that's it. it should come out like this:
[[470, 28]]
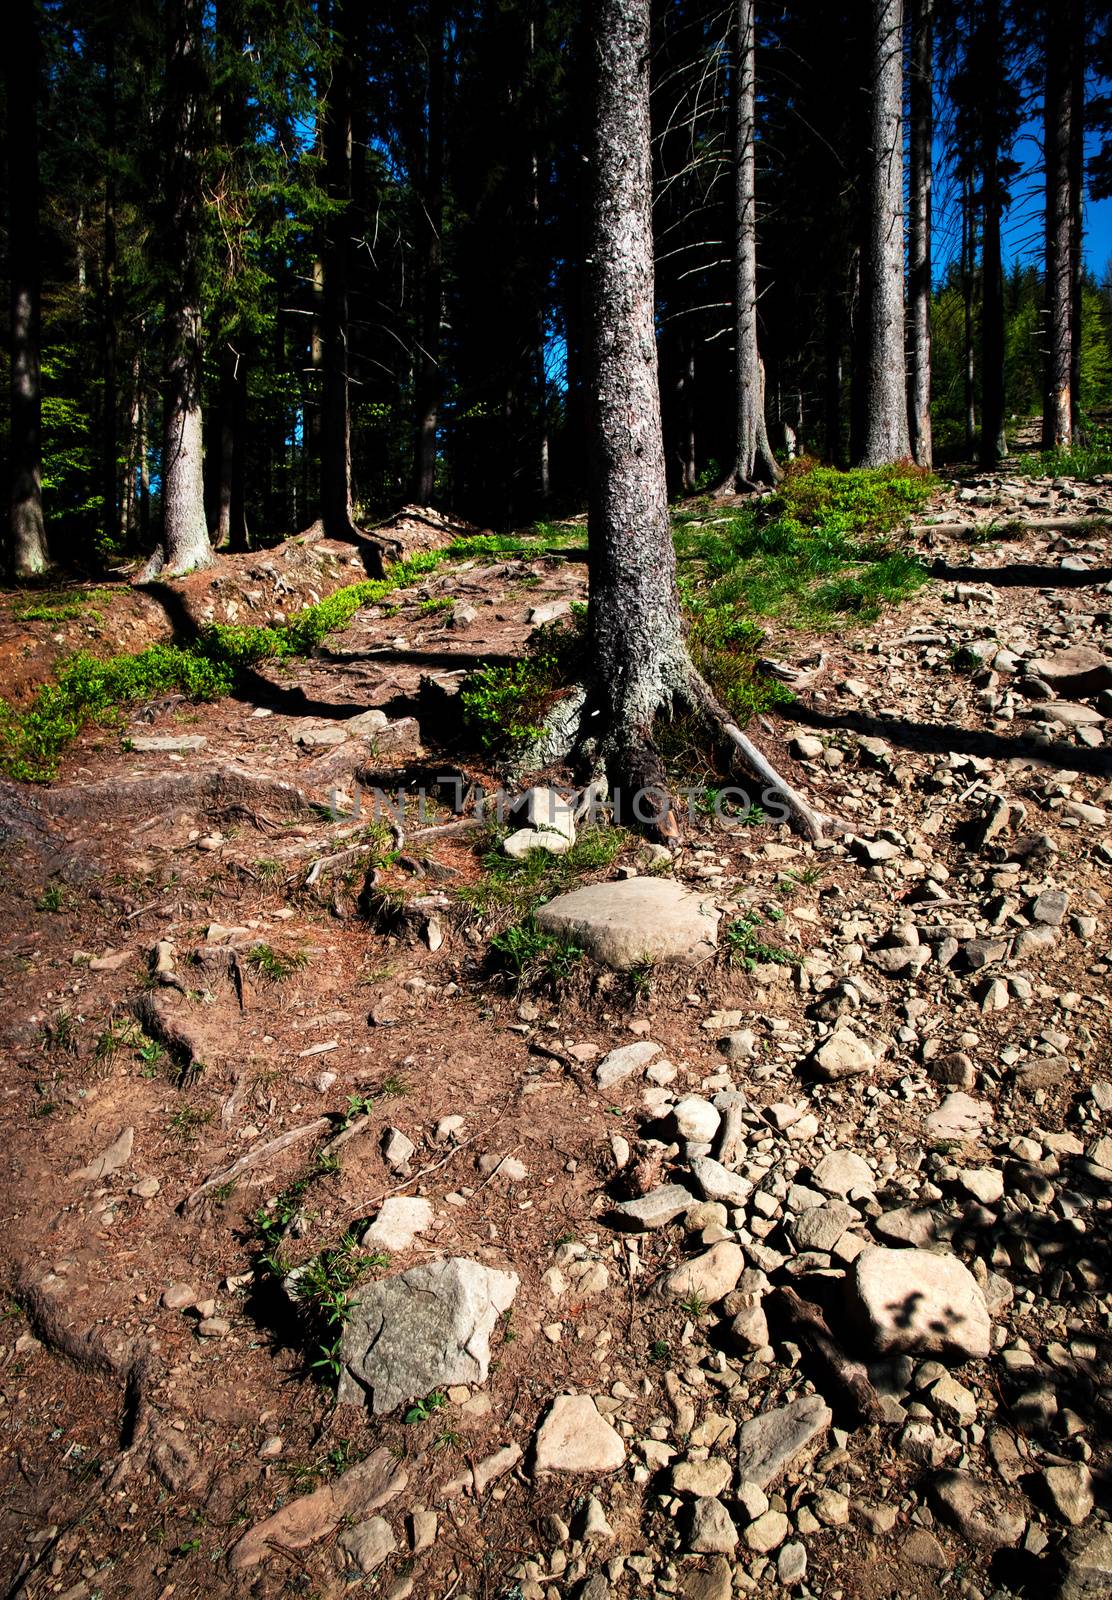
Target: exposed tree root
[[253, 1158], [1010, 527], [208, 789], [375, 549], [630, 761]]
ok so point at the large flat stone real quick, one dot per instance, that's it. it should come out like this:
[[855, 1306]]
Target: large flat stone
[[919, 1302], [1078, 669], [311, 1517], [653, 1210], [769, 1443], [421, 1330], [574, 1437], [635, 922]]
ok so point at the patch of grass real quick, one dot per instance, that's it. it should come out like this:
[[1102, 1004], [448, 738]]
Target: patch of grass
[[533, 956], [517, 887], [275, 965], [118, 1036], [60, 1034], [817, 554], [323, 1287], [504, 705], [429, 608], [53, 898], [188, 1121], [695, 1305], [745, 947], [61, 605], [659, 1350]]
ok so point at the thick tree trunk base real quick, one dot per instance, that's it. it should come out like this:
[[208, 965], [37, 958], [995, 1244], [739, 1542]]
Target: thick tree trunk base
[[631, 763], [375, 550]]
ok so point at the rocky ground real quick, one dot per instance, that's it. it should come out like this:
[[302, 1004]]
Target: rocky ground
[[777, 1266]]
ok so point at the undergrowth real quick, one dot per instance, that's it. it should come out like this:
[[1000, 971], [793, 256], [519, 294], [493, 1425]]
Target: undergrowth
[[512, 889], [504, 705]]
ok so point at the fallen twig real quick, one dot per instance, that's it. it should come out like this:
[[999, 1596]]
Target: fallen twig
[[252, 1158], [849, 1377]]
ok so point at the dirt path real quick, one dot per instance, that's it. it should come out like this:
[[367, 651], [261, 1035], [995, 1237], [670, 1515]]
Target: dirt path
[[158, 1397]]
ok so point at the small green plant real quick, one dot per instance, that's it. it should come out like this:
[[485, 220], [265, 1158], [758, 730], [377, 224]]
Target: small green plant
[[60, 1034], [448, 1440], [504, 705], [359, 1104], [745, 947], [533, 956], [152, 1056], [51, 899], [119, 1036], [695, 1305], [659, 1350], [422, 1410], [428, 608], [394, 1087], [323, 1287], [188, 1121], [275, 965]]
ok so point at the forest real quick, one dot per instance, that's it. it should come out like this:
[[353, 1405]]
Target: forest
[[556, 800], [335, 255]]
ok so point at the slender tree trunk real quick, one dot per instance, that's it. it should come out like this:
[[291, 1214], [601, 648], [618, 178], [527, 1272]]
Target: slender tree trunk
[[26, 540], [1076, 202], [335, 489], [885, 437], [185, 540], [919, 230], [994, 444], [754, 461], [834, 353], [634, 616], [1057, 116], [427, 366], [128, 519], [109, 438], [231, 501], [967, 320], [685, 393]]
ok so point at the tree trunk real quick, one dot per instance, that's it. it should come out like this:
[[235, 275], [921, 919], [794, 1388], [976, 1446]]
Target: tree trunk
[[967, 321], [994, 444], [335, 444], [1076, 202], [109, 436], [185, 540], [231, 499], [640, 665], [754, 461], [1057, 111], [26, 542], [685, 394], [427, 365], [885, 436], [919, 229]]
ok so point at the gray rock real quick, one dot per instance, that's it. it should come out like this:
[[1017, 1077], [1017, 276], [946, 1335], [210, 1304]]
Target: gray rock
[[550, 840], [841, 1172], [653, 1210], [717, 1182], [1078, 669], [767, 1532], [714, 1584], [1050, 907], [398, 1223], [920, 1302], [712, 1530], [821, 1227], [708, 1277], [914, 1225], [1070, 1491], [770, 1442], [368, 1543], [1088, 1567], [547, 809], [574, 1438], [958, 1117], [696, 1119], [167, 743], [117, 1155], [625, 1060], [791, 1564], [978, 1510], [421, 1330], [843, 1055], [636, 921], [398, 1149]]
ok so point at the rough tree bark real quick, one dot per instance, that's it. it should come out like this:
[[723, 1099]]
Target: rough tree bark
[[754, 461], [230, 519], [1057, 117], [109, 431], [427, 365], [885, 436], [919, 228], [185, 541], [640, 664], [1077, 25], [26, 551], [994, 443], [335, 444], [967, 318]]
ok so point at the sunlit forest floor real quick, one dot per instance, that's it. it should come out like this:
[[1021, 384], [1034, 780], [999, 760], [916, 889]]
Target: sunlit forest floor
[[243, 1011]]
